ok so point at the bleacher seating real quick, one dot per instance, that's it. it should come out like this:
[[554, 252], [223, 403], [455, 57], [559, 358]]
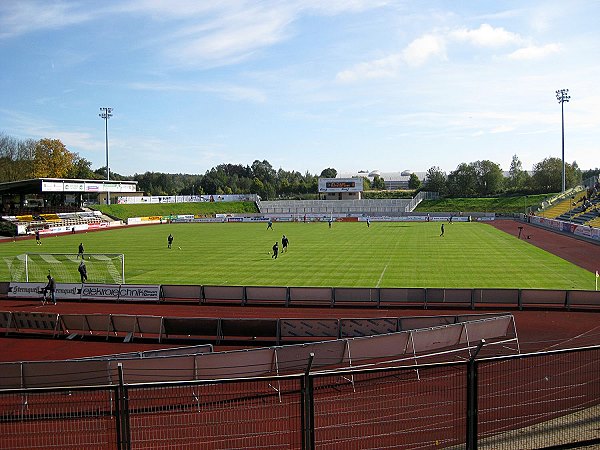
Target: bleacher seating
[[41, 221], [366, 206]]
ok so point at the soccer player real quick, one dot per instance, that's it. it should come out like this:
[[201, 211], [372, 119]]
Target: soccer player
[[275, 251], [329, 222], [82, 271], [50, 287], [442, 234], [37, 237], [368, 222], [284, 243], [170, 240], [270, 224], [80, 250]]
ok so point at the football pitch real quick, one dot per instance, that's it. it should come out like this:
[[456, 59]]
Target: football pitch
[[400, 254]]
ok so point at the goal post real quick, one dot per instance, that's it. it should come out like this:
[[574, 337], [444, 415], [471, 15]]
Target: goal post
[[101, 267]]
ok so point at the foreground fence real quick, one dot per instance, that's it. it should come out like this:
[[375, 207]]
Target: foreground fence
[[523, 401]]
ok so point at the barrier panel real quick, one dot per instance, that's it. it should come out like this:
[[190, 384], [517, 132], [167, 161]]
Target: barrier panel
[[583, 298], [414, 323], [4, 288], [266, 294], [475, 331], [250, 328], [365, 296], [99, 323], [34, 321], [66, 373], [423, 341], [496, 296], [10, 376], [377, 348], [174, 368], [198, 327], [543, 297], [294, 358], [299, 328], [402, 296], [240, 363], [5, 319], [223, 294], [455, 297], [75, 323], [310, 295], [182, 293], [367, 327]]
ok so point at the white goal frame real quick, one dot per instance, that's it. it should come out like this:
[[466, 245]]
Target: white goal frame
[[86, 256]]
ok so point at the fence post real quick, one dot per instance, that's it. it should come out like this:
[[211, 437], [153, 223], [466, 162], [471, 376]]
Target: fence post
[[472, 413], [308, 408], [123, 432]]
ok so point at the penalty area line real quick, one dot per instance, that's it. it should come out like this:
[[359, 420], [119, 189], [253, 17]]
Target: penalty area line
[[381, 276]]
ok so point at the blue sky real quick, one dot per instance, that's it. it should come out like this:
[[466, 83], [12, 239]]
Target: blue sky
[[305, 84]]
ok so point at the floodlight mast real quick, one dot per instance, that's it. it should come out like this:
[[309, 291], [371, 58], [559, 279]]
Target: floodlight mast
[[106, 113], [562, 95]]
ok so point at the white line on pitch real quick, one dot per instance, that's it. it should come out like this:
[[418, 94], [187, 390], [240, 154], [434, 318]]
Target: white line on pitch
[[381, 276]]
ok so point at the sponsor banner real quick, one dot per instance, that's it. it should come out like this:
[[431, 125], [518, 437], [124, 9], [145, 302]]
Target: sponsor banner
[[78, 187], [235, 219], [92, 226], [64, 291], [25, 290], [123, 292], [52, 186]]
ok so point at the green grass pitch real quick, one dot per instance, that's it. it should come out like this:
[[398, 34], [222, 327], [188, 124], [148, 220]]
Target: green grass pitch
[[401, 254]]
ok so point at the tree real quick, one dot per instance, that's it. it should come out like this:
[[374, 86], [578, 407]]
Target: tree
[[81, 168], [462, 182], [516, 175], [414, 182], [490, 179], [547, 175], [435, 180], [52, 159], [378, 183], [328, 173]]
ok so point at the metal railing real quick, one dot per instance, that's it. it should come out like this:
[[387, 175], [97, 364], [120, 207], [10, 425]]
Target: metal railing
[[540, 400]]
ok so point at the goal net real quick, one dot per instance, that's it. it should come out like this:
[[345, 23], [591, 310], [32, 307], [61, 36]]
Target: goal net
[[34, 267]]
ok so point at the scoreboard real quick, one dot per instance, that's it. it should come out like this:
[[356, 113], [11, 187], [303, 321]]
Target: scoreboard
[[340, 184]]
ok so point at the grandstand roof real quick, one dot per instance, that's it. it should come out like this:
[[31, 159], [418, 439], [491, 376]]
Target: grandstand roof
[[41, 185]]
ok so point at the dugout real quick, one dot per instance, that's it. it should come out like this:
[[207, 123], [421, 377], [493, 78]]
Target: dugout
[[41, 194], [340, 188]]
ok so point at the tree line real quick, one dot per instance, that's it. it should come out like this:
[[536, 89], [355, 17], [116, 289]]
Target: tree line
[[49, 158]]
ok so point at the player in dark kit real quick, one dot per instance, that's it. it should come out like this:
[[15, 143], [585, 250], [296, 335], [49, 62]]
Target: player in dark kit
[[82, 271], [284, 243], [275, 251], [442, 233], [270, 224], [80, 250], [170, 240], [50, 287]]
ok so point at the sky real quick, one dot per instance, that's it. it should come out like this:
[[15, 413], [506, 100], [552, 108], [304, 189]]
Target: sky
[[304, 84]]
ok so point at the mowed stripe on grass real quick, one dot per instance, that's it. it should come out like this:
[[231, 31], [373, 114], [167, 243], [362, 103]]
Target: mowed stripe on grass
[[396, 254]]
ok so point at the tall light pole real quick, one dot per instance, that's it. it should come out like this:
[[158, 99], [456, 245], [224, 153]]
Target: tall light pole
[[106, 113], [562, 95]]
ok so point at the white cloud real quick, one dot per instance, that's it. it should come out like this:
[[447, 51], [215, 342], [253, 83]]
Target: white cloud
[[417, 53], [380, 68], [487, 36], [535, 52], [20, 17], [423, 48]]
